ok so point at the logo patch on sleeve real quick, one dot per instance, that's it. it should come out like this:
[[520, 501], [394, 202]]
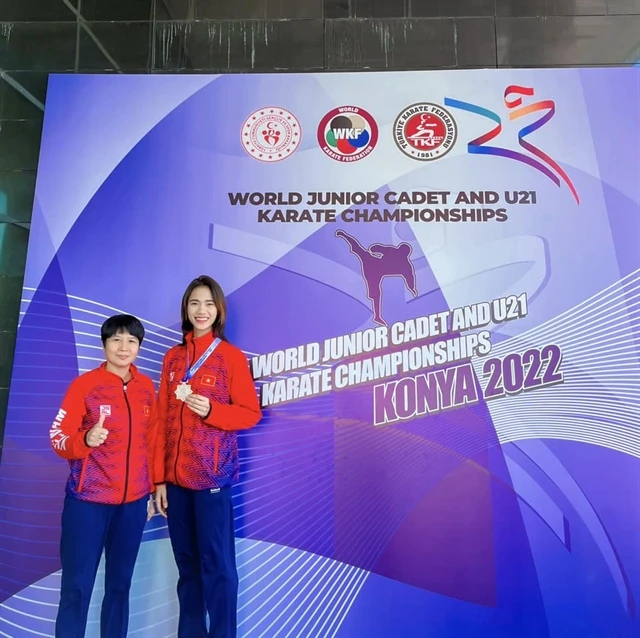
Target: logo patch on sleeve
[[209, 381]]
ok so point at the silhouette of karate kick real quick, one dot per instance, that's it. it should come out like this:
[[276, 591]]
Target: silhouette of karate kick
[[380, 261]]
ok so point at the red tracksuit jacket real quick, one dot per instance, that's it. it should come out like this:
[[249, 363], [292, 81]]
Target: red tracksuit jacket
[[201, 453], [119, 470]]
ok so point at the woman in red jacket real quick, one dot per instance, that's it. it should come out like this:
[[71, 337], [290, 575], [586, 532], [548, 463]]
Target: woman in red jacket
[[104, 429], [206, 395]]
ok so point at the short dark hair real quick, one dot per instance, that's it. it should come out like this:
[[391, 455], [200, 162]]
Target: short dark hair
[[218, 299], [122, 323]]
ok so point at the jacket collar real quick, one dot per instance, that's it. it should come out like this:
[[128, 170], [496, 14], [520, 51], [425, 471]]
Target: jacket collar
[[132, 369], [200, 342]]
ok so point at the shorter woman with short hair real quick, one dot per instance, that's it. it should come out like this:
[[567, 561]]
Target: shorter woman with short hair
[[104, 429]]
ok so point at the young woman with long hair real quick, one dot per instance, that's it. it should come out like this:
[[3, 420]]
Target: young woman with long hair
[[206, 395]]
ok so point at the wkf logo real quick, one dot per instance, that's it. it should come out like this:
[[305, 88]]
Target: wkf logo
[[347, 134]]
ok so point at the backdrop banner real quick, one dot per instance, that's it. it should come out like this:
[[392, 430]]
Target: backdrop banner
[[435, 277]]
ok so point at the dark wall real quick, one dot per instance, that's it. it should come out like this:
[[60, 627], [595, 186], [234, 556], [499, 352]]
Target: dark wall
[[147, 36]]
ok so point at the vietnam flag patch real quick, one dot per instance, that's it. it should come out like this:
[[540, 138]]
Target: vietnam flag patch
[[209, 380]]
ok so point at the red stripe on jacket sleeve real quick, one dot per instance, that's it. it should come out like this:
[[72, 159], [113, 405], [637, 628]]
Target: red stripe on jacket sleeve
[[160, 425], [152, 437]]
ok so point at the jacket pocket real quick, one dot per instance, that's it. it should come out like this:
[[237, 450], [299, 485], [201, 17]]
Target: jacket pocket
[[216, 454], [82, 473]]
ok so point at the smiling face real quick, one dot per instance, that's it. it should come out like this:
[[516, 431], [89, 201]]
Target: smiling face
[[121, 350], [201, 310]]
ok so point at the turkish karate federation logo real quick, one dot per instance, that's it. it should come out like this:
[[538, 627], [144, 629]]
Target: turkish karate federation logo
[[271, 134], [425, 131]]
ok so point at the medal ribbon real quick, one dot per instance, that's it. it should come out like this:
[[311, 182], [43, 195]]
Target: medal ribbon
[[196, 366]]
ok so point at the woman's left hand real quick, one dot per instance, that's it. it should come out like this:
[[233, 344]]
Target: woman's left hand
[[198, 404]]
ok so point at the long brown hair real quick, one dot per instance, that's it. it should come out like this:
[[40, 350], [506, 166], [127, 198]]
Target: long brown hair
[[218, 299]]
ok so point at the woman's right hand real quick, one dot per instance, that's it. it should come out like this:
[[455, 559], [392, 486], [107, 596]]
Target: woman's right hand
[[97, 435], [161, 499]]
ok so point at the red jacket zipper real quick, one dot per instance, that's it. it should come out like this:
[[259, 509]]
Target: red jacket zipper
[[126, 476]]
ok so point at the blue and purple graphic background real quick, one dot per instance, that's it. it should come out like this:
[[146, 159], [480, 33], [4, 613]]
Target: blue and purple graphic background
[[514, 517]]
